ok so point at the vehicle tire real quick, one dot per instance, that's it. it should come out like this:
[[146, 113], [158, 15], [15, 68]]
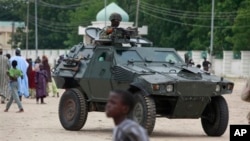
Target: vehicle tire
[[144, 112], [73, 110], [214, 119]]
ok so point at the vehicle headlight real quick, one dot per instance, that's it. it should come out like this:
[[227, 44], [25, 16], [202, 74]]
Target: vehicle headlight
[[230, 86], [155, 87], [217, 88], [170, 88]]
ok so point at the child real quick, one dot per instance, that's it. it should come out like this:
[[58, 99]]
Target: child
[[119, 105], [13, 74], [41, 83]]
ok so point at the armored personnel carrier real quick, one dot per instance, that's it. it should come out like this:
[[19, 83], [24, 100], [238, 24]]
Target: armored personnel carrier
[[162, 84]]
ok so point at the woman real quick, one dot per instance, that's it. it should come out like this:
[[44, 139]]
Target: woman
[[41, 81], [51, 82], [31, 79]]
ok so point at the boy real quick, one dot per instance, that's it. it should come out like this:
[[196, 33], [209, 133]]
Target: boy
[[13, 74], [119, 105]]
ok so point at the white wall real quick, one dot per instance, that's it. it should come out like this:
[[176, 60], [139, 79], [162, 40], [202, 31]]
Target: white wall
[[223, 67]]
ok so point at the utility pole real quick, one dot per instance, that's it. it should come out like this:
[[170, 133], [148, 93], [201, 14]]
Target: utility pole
[[137, 13], [212, 32], [12, 34], [105, 4], [36, 37], [27, 28]]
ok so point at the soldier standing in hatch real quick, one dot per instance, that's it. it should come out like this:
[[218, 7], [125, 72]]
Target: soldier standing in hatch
[[115, 19]]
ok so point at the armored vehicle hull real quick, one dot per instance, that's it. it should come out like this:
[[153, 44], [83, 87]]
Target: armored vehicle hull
[[162, 84]]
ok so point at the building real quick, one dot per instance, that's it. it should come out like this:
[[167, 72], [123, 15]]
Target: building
[[102, 21], [8, 28]]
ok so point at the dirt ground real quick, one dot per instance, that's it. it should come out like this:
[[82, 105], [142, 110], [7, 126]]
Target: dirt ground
[[41, 123]]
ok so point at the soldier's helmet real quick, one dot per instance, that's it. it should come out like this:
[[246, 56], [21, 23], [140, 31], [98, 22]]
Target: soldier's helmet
[[115, 16]]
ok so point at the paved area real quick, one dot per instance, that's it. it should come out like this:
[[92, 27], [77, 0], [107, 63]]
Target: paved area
[[41, 123]]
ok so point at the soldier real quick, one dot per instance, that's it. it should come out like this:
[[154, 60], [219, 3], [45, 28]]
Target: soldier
[[115, 19], [3, 76], [206, 64]]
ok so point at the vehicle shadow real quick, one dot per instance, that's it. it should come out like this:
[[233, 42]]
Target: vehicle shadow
[[98, 130]]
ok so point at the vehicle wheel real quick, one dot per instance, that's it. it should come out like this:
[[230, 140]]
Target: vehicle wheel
[[214, 119], [144, 112], [73, 110]]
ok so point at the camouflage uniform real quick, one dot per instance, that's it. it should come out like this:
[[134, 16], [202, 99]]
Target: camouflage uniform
[[3, 77], [104, 34]]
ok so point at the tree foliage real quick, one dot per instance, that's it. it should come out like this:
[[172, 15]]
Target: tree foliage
[[181, 24]]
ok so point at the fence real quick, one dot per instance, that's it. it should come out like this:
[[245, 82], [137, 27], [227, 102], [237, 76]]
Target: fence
[[228, 66]]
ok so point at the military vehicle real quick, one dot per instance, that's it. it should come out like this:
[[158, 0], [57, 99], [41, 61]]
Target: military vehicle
[[162, 84]]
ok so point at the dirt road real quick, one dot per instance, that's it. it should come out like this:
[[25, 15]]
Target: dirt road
[[41, 123]]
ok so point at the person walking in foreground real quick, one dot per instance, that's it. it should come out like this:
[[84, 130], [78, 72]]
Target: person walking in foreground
[[119, 105], [22, 64], [14, 74], [41, 83]]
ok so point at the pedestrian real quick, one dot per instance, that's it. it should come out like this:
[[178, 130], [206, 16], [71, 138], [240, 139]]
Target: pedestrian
[[120, 104], [245, 95], [3, 78], [14, 74], [8, 56], [31, 77], [37, 63], [41, 81], [47, 68], [22, 64], [191, 62], [206, 64]]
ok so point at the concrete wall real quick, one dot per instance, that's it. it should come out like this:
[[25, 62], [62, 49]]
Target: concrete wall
[[223, 67]]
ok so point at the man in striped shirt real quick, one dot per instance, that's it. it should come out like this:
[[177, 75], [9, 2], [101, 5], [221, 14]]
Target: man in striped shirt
[[119, 105], [3, 76]]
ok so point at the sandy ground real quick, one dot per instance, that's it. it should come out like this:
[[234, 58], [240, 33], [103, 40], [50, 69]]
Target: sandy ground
[[41, 123]]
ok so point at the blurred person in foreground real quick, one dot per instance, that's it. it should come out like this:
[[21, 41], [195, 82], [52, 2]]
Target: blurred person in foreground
[[119, 105]]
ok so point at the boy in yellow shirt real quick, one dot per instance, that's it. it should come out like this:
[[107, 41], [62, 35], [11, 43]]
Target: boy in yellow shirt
[[13, 74]]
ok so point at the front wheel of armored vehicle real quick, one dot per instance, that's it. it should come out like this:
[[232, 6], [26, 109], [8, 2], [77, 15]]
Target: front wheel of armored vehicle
[[215, 117], [144, 111], [73, 110]]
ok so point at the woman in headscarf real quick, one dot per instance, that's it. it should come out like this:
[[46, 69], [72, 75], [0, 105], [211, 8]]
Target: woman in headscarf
[[31, 77], [51, 86]]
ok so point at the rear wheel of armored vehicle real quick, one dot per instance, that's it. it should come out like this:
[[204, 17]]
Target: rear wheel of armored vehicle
[[144, 112], [215, 117], [73, 110]]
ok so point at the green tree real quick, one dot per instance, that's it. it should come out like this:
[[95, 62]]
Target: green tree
[[82, 16], [241, 31]]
